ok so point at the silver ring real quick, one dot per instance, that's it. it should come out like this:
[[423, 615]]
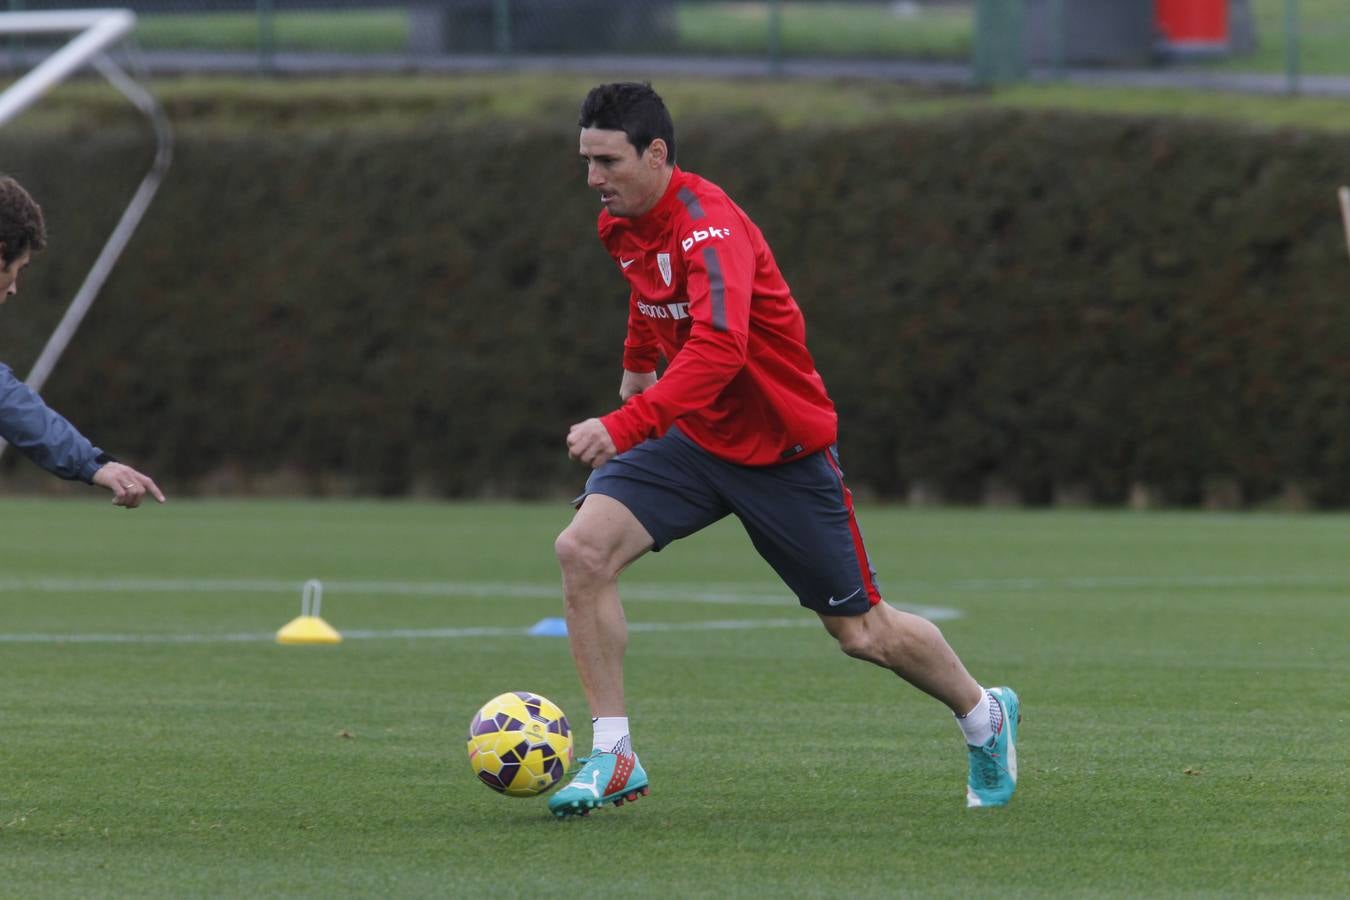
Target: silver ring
[[128, 484]]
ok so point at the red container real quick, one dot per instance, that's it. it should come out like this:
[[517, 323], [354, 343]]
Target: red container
[[1195, 24]]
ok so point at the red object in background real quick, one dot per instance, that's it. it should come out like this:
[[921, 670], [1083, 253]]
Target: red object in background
[[1192, 22]]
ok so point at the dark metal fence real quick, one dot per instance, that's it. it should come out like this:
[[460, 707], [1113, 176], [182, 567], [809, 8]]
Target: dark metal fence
[[1287, 41]]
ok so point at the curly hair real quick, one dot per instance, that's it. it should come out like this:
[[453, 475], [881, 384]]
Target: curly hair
[[22, 229]]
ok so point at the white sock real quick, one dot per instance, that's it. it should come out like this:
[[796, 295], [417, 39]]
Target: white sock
[[609, 734], [977, 725]]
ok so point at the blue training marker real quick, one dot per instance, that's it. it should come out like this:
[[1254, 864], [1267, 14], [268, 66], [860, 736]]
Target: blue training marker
[[549, 628]]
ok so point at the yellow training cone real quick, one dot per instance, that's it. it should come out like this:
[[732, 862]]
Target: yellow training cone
[[308, 630], [308, 627]]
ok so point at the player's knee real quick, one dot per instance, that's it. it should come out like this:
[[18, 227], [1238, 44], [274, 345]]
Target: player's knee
[[859, 643], [569, 549], [580, 556]]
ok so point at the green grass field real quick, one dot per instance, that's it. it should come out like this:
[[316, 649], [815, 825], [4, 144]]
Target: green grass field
[[1183, 679]]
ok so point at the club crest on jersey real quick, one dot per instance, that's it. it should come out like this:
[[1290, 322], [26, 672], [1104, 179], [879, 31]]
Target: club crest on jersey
[[663, 263]]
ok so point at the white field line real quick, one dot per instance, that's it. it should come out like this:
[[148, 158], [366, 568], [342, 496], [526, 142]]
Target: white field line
[[694, 593], [488, 589], [708, 594], [396, 633], [712, 594]]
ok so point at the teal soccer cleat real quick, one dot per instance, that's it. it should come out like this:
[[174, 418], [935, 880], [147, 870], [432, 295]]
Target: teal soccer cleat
[[993, 767], [603, 778]]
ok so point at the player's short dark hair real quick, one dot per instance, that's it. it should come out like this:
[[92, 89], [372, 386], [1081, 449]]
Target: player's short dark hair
[[635, 109], [22, 229]]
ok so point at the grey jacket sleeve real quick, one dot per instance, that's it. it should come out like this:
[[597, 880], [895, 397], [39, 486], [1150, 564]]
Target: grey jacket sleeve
[[44, 435]]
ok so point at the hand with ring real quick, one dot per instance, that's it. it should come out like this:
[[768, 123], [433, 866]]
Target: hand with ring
[[129, 487]]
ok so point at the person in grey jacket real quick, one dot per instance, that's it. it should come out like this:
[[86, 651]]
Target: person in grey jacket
[[26, 422]]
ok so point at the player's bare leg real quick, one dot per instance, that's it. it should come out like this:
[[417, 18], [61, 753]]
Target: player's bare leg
[[911, 647], [914, 648], [602, 540]]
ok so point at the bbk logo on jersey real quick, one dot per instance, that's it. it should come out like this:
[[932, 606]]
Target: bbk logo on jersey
[[702, 234]]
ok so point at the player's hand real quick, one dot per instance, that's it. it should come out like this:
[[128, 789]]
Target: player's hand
[[635, 383], [589, 442], [129, 487]]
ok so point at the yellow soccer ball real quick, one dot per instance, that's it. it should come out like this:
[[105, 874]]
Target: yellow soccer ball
[[520, 744]]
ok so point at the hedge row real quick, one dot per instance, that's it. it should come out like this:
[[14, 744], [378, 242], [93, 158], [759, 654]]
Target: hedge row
[[1038, 306]]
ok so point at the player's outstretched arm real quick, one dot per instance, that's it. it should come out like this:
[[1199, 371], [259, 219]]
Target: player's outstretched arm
[[129, 487]]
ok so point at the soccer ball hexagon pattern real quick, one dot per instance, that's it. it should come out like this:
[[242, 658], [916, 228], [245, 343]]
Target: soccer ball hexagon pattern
[[520, 744]]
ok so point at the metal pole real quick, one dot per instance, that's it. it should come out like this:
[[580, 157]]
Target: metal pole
[[266, 35], [16, 40], [1058, 30], [1291, 46], [501, 25], [775, 37], [1000, 49], [981, 67]]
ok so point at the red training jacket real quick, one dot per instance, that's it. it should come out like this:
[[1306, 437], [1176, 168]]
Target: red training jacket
[[708, 296]]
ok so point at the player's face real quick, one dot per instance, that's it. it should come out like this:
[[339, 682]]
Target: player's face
[[629, 183], [9, 277]]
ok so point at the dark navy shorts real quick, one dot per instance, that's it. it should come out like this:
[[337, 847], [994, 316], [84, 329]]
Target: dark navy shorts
[[799, 515]]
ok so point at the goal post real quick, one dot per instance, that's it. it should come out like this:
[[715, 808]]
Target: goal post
[[95, 32]]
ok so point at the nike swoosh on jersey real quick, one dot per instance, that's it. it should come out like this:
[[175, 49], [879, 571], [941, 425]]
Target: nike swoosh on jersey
[[625, 263]]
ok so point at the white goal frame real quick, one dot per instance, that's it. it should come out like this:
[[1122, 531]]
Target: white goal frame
[[96, 31]]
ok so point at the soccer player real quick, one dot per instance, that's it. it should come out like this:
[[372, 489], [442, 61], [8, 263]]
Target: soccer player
[[739, 423], [38, 431]]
